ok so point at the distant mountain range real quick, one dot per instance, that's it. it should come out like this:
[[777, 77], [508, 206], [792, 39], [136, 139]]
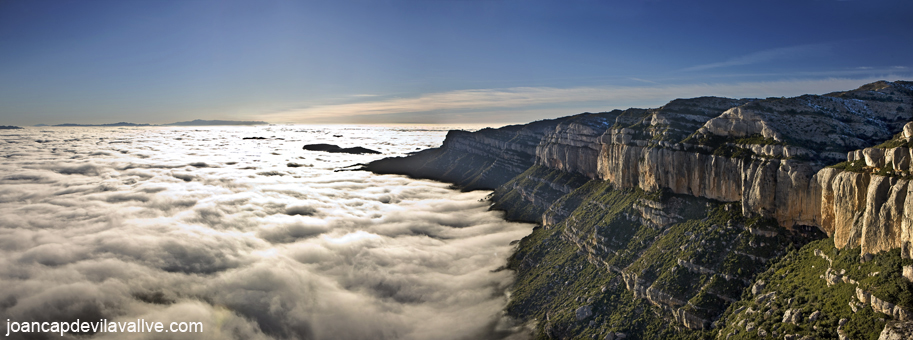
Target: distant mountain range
[[195, 122], [112, 124], [200, 122]]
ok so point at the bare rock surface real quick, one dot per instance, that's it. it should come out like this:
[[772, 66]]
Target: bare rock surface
[[584, 312], [897, 330]]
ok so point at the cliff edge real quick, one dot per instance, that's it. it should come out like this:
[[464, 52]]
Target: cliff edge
[[682, 207]]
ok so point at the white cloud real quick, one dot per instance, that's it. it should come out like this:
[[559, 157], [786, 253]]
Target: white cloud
[[107, 231]]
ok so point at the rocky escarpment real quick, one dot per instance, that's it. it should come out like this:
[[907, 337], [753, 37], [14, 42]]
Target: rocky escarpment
[[805, 164], [619, 251], [484, 159], [864, 200], [777, 188], [762, 153], [767, 155], [575, 144]]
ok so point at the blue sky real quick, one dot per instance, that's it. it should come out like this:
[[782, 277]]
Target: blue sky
[[409, 61]]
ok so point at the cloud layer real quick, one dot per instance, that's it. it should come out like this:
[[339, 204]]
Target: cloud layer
[[200, 225]]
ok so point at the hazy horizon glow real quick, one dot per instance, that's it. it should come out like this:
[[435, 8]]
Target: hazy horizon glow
[[513, 104], [355, 62]]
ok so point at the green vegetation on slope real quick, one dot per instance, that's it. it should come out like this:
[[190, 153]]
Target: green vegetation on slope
[[897, 141], [645, 263], [527, 196], [797, 283]]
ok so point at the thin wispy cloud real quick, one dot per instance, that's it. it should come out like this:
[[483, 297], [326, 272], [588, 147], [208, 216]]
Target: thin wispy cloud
[[643, 80], [521, 104], [765, 56]]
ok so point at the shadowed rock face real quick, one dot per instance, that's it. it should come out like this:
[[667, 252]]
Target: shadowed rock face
[[485, 159]]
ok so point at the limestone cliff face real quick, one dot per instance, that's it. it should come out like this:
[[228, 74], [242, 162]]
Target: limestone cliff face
[[862, 209], [828, 125], [574, 145], [770, 155], [809, 161], [485, 159], [777, 188], [513, 148]]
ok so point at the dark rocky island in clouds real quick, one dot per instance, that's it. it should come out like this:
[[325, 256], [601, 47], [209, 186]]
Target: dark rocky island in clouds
[[784, 218], [331, 148]]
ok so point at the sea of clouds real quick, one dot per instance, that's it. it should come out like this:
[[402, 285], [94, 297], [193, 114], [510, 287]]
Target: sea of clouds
[[255, 238]]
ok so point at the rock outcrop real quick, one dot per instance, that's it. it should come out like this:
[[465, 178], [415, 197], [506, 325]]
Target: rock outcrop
[[770, 155], [485, 159], [897, 330], [584, 312], [778, 188], [805, 162], [574, 144]]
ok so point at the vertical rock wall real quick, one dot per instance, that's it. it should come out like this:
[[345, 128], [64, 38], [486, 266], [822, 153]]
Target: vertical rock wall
[[855, 208], [861, 209], [777, 188]]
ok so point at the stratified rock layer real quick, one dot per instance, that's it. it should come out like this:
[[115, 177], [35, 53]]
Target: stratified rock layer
[[770, 155], [804, 162]]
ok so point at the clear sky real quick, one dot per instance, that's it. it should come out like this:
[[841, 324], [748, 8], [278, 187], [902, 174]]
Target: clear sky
[[410, 61]]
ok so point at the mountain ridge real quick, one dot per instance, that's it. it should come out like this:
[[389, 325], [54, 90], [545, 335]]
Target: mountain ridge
[[783, 171], [195, 122]]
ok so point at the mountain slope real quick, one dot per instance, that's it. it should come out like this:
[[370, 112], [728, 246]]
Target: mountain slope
[[671, 214]]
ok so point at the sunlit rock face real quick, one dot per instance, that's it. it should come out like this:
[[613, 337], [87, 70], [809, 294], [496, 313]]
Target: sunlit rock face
[[255, 238], [767, 154], [778, 188], [862, 209]]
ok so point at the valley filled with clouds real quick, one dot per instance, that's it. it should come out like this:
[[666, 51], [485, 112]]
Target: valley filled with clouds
[[255, 238]]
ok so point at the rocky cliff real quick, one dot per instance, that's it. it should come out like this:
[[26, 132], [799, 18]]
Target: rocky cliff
[[838, 163], [770, 156], [484, 159]]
